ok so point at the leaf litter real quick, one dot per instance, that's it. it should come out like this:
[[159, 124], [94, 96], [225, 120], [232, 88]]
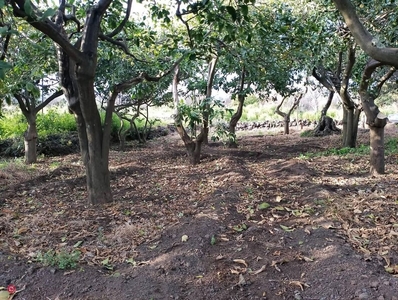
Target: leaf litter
[[277, 206]]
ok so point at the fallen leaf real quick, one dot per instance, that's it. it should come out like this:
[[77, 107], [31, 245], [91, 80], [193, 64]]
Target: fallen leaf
[[264, 205], [259, 270], [184, 238], [299, 284], [286, 228], [307, 259], [240, 261], [4, 295], [23, 230]]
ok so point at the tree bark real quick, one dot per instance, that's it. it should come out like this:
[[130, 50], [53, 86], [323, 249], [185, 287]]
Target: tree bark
[[30, 140], [234, 121], [209, 88], [238, 114], [349, 136], [374, 118], [377, 165], [193, 146], [325, 109]]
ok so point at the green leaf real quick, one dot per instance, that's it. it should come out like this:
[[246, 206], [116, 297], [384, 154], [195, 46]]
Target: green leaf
[[48, 13], [231, 10], [264, 205], [286, 228], [78, 244], [3, 29], [4, 295], [28, 8], [2, 3], [30, 86], [5, 65]]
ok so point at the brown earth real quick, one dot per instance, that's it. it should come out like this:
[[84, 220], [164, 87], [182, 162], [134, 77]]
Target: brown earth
[[258, 222]]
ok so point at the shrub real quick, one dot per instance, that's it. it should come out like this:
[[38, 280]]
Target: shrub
[[55, 122]]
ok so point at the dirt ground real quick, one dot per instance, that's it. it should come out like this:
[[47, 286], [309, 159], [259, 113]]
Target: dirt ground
[[259, 222]]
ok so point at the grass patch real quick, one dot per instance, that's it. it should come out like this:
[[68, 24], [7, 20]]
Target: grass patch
[[391, 147], [307, 133], [361, 150]]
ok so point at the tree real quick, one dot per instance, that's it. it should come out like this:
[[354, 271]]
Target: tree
[[30, 81], [286, 115], [77, 53], [375, 119], [382, 56]]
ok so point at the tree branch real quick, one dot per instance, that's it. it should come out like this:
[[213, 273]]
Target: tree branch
[[48, 100], [123, 23], [47, 27], [362, 36]]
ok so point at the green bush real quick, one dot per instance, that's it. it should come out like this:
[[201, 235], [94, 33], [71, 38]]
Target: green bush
[[51, 122], [12, 125], [54, 121]]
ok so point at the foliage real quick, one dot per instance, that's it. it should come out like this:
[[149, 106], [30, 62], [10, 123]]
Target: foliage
[[192, 114], [62, 260], [50, 122]]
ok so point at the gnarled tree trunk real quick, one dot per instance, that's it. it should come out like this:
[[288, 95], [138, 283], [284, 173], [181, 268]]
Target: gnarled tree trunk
[[238, 114], [326, 126], [374, 118]]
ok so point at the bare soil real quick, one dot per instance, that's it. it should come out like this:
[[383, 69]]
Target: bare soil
[[258, 222]]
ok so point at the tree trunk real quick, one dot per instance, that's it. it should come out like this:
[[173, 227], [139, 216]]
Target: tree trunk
[[30, 138], [209, 87], [377, 150], [350, 134], [286, 123], [97, 155], [325, 109], [234, 121], [326, 126], [374, 118], [194, 150]]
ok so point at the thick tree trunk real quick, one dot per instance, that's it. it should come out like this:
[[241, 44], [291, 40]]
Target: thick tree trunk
[[377, 150], [97, 156], [30, 139], [194, 149], [374, 118], [326, 126]]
